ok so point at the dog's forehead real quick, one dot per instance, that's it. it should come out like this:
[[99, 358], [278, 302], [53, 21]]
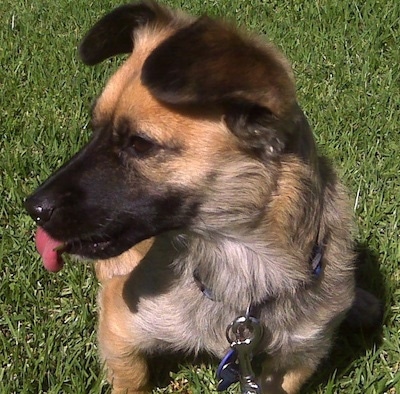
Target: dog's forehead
[[129, 72], [125, 97]]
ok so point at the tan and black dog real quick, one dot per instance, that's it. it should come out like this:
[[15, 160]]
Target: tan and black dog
[[201, 151]]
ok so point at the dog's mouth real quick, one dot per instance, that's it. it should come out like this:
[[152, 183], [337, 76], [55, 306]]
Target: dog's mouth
[[51, 250]]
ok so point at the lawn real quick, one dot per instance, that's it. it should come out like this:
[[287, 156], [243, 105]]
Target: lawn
[[345, 56]]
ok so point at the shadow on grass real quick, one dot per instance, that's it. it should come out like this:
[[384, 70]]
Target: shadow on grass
[[352, 341]]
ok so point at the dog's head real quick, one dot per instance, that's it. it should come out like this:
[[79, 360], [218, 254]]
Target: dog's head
[[190, 132]]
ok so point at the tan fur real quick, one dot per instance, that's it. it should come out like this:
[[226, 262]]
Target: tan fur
[[107, 269], [116, 86], [285, 383], [117, 343], [169, 128]]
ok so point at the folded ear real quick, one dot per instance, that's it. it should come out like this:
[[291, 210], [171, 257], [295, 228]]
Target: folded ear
[[113, 34], [209, 63]]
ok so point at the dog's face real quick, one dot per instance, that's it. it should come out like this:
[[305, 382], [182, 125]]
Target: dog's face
[[187, 126]]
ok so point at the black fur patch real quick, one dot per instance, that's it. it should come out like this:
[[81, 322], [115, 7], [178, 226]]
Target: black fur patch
[[259, 130], [94, 199], [208, 64], [113, 34]]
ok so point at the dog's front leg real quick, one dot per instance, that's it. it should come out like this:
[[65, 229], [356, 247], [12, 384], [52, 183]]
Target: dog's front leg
[[288, 382], [127, 369]]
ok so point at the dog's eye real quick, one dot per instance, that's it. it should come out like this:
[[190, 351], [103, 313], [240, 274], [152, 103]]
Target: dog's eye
[[139, 145]]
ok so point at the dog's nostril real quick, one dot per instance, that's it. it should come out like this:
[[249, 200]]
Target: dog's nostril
[[40, 211], [43, 215]]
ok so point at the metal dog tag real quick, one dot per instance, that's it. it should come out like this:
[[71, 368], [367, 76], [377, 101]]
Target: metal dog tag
[[247, 333]]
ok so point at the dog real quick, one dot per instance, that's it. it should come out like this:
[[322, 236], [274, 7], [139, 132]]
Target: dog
[[203, 200]]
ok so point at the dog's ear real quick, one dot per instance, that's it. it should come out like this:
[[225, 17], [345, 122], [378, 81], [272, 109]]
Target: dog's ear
[[113, 34], [208, 63]]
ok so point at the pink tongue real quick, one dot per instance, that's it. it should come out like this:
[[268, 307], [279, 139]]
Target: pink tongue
[[45, 245]]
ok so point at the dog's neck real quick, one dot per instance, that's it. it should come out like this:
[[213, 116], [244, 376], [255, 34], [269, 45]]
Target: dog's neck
[[252, 253], [239, 273]]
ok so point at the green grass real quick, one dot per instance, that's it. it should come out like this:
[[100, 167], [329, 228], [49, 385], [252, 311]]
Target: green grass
[[346, 59]]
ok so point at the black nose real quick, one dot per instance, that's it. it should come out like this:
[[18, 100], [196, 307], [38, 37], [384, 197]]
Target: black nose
[[40, 209]]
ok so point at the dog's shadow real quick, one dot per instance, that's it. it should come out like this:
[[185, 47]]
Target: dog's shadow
[[352, 341]]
